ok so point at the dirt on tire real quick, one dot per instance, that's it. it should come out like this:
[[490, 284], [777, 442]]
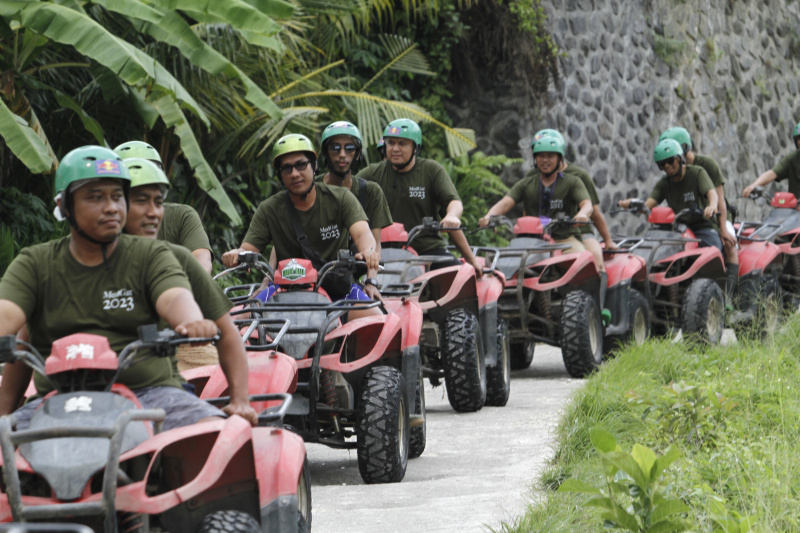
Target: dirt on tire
[[383, 427], [464, 365], [581, 334]]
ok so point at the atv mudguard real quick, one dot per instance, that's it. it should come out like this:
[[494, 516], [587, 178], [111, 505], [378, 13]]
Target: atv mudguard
[[368, 339], [704, 263], [579, 271], [625, 267], [448, 288], [490, 289], [792, 247], [269, 372], [757, 256]]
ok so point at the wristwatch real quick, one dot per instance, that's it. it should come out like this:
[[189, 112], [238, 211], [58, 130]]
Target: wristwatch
[[371, 281]]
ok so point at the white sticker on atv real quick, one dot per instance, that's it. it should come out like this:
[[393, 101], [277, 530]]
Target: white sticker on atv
[[293, 271], [86, 351], [78, 403]]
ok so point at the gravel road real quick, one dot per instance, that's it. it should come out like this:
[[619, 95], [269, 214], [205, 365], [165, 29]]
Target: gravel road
[[476, 471]]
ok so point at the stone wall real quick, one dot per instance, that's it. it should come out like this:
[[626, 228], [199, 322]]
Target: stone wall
[[726, 70]]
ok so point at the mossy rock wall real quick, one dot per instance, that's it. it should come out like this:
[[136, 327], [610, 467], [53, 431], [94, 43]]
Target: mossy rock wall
[[727, 70]]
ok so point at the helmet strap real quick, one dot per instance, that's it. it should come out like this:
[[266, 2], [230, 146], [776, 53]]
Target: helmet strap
[[305, 194]]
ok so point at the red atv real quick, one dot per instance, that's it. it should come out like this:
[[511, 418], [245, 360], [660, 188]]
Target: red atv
[[358, 382], [464, 341], [684, 278], [93, 456], [769, 265], [557, 300]]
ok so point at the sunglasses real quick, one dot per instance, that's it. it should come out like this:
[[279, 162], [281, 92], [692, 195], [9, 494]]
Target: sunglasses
[[665, 162], [336, 148], [287, 169]]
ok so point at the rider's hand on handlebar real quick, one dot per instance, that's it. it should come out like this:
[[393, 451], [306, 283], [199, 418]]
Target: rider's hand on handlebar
[[242, 409], [483, 221], [710, 211], [231, 259], [450, 221], [624, 203], [748, 190], [581, 218], [197, 328]]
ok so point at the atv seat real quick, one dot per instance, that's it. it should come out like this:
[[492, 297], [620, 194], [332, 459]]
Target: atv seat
[[399, 266], [509, 261]]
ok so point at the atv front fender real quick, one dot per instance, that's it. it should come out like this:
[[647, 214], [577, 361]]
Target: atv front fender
[[573, 270], [625, 267], [700, 263], [757, 256]]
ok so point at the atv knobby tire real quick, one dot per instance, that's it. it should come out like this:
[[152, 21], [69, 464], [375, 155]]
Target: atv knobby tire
[[581, 334], [769, 311], [703, 313], [419, 434], [463, 361], [522, 354], [498, 377], [383, 432], [229, 522], [638, 325], [304, 499]]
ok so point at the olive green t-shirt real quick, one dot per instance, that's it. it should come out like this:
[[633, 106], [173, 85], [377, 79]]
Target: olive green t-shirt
[[182, 225], [568, 193], [60, 296], [207, 293], [424, 191], [326, 224], [580, 173], [711, 167], [692, 189], [789, 169], [374, 204]]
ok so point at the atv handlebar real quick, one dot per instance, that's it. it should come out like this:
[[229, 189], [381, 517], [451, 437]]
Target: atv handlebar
[[429, 225], [495, 221], [272, 416], [249, 261], [636, 205]]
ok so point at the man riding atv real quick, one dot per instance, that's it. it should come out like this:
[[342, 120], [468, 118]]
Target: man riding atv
[[341, 154], [145, 214], [683, 186], [549, 193], [181, 224], [310, 220], [787, 169], [726, 231], [99, 281], [416, 188]]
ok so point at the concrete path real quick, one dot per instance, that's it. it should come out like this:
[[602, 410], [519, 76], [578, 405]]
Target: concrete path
[[476, 470]]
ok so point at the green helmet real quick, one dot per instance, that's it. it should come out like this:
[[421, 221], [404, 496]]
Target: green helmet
[[667, 149], [138, 149], [404, 128], [145, 172], [679, 135], [294, 142], [547, 133], [341, 128], [548, 144], [90, 162]]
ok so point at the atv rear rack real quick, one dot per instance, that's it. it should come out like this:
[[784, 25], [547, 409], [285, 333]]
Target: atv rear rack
[[9, 440]]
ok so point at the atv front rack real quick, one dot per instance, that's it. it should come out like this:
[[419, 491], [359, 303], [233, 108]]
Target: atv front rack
[[335, 310], [9, 440], [269, 417]]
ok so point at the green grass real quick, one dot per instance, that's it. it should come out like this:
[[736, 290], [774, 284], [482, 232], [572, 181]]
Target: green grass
[[738, 429]]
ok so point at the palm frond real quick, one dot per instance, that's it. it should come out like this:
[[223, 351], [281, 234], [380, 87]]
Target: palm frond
[[459, 140], [405, 57]]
